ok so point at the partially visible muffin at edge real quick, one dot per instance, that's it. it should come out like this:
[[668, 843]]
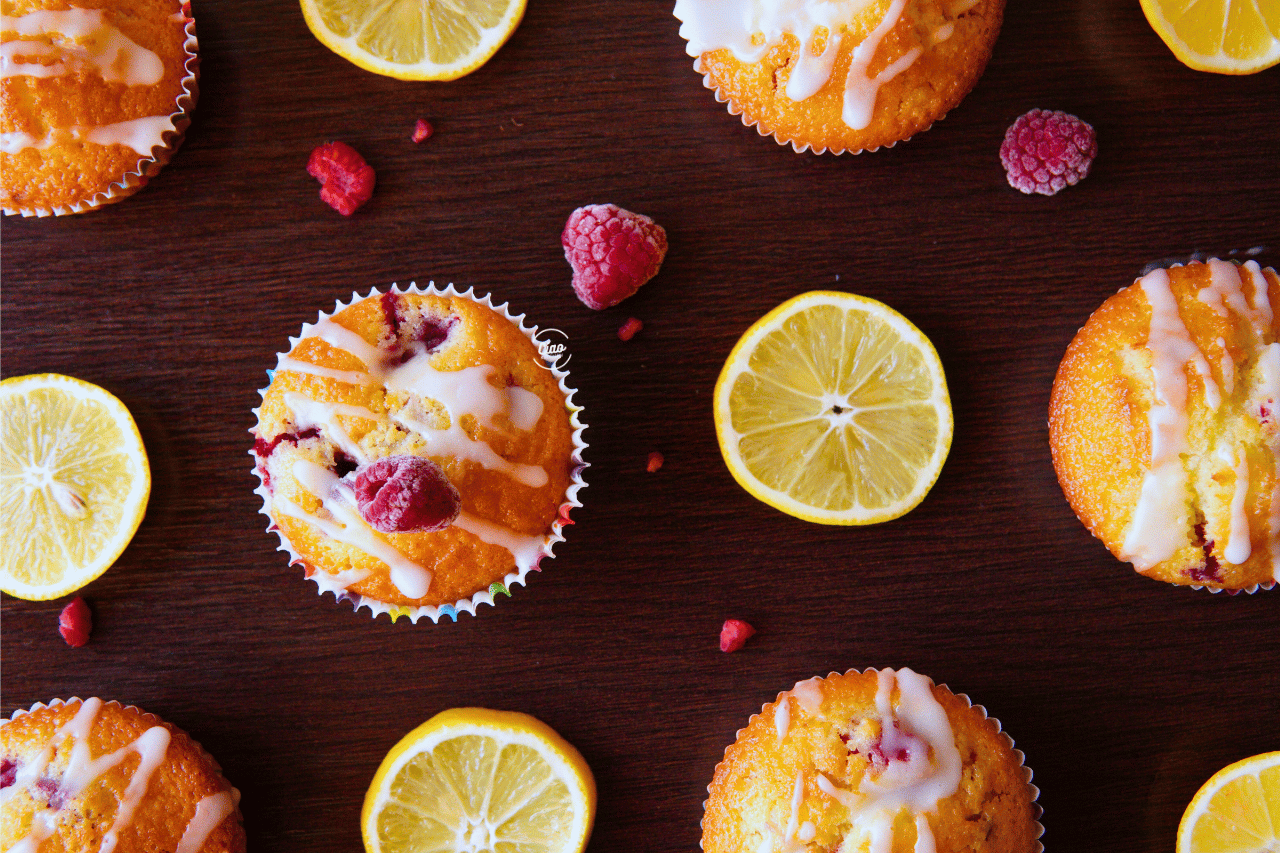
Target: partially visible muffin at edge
[[840, 76], [75, 774], [880, 761], [95, 99], [1164, 430]]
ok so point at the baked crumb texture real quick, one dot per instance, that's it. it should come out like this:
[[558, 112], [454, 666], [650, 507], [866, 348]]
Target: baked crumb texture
[[1163, 425], [95, 99], [432, 374], [871, 762], [76, 776]]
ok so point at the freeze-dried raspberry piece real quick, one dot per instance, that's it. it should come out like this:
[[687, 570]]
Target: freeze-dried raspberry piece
[[734, 635], [422, 130], [346, 179], [655, 462], [612, 252], [75, 622], [403, 493], [1044, 151], [629, 329]]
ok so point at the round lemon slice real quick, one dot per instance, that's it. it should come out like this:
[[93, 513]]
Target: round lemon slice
[[414, 39], [1223, 36], [833, 408], [1236, 811], [470, 780], [74, 483]]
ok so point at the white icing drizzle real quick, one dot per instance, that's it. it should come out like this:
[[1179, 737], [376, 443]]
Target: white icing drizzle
[[340, 337], [1226, 290], [410, 578], [86, 41], [789, 839], [944, 32], [808, 694], [930, 772], [81, 771], [526, 549], [140, 134], [782, 718], [308, 413], [748, 28], [210, 811], [1238, 545], [351, 377], [1160, 524]]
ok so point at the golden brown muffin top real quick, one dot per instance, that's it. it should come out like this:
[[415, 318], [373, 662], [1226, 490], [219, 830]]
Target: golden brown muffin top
[[1163, 424], [870, 761], [442, 378], [91, 776], [852, 76]]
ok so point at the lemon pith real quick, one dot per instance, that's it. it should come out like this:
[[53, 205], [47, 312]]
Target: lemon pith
[[1236, 811], [473, 779], [1225, 36], [834, 408], [74, 482], [414, 39]]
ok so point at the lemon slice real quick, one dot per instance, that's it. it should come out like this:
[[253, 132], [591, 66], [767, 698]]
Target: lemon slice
[[833, 408], [414, 39], [74, 483], [1224, 36], [1236, 811], [471, 779]]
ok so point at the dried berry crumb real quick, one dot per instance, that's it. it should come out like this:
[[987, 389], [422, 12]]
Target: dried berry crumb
[[346, 180], [629, 329], [75, 622], [422, 130], [734, 635], [1044, 151], [655, 462]]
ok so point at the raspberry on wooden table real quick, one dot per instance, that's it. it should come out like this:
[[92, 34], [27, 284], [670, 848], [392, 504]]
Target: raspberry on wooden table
[[75, 622], [1044, 151], [346, 179], [612, 252]]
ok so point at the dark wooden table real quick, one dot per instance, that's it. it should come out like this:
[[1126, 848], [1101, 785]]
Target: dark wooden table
[[1125, 694]]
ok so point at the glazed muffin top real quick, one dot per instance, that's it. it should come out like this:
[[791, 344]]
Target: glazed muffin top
[[89, 776], [841, 76], [441, 394], [89, 91], [871, 761], [1163, 425]]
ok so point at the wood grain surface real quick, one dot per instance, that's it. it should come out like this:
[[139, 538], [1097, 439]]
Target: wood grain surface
[[1124, 693]]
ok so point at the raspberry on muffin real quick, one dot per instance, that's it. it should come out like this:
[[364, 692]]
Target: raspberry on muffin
[[1163, 425], [414, 450]]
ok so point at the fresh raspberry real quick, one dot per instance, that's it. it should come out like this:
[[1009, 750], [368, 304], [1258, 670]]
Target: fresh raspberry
[[734, 635], [403, 493], [612, 252], [1044, 151], [75, 622], [346, 179], [422, 130], [629, 329], [655, 462]]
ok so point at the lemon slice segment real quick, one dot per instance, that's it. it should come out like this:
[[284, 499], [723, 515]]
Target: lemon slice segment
[[74, 483], [471, 780], [1236, 811], [1223, 36], [414, 39], [833, 408]]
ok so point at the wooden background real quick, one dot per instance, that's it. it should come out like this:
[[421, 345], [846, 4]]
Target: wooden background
[[1125, 694]]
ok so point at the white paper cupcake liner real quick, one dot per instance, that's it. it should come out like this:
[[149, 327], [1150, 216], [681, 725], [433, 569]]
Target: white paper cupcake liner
[[149, 165], [1021, 757], [326, 582]]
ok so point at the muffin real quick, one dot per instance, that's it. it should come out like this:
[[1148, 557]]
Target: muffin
[[95, 99], [86, 776], [415, 452], [1163, 425], [871, 762], [840, 76]]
